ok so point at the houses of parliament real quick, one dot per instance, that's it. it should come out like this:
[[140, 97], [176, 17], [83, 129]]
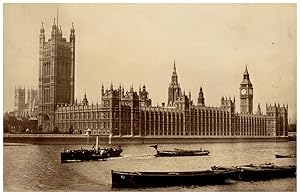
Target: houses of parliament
[[130, 113]]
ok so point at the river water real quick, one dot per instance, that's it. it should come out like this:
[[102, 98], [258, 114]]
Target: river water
[[38, 168]]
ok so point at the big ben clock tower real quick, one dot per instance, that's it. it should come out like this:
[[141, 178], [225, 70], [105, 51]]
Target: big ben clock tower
[[246, 94]]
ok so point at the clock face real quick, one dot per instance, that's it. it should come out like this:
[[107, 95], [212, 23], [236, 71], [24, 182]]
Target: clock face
[[243, 91]]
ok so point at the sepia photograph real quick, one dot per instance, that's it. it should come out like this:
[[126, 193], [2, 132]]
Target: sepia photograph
[[149, 97]]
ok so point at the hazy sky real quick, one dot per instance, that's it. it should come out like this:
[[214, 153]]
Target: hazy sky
[[137, 44]]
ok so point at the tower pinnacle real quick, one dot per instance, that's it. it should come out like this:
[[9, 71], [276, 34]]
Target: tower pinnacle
[[42, 29], [174, 90], [174, 69], [72, 29], [201, 98], [246, 70]]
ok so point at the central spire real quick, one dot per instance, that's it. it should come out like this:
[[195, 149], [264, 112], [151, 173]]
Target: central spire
[[174, 69], [174, 77], [174, 90]]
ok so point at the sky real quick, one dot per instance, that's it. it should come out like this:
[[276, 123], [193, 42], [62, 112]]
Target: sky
[[136, 44]]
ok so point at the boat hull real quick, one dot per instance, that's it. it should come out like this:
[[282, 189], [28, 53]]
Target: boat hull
[[87, 155], [285, 156], [175, 153], [161, 179], [258, 173], [78, 156]]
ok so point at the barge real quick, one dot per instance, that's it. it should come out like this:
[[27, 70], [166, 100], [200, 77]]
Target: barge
[[179, 152], [121, 179]]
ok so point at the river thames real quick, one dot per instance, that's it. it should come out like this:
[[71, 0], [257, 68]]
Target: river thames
[[38, 168]]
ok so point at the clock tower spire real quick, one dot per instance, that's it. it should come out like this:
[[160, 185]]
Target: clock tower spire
[[246, 94]]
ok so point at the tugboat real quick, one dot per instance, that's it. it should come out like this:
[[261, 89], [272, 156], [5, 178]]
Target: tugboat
[[180, 152], [95, 153]]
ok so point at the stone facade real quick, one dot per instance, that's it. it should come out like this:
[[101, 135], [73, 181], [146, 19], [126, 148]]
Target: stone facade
[[130, 113], [56, 74]]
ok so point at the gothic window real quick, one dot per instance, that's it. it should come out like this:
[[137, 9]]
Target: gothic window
[[48, 73], [48, 95], [44, 95], [46, 90], [45, 69]]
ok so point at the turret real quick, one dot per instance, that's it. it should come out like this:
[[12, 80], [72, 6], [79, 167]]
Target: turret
[[102, 90], [85, 101], [42, 43], [72, 43], [201, 98], [72, 33], [54, 30], [42, 33], [258, 110]]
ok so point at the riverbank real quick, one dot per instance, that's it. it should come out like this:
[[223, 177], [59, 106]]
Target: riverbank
[[85, 139]]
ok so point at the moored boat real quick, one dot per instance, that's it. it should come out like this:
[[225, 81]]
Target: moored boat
[[121, 179], [180, 152], [285, 156], [252, 172], [265, 172]]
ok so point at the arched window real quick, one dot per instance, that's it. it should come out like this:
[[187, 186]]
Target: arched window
[[44, 95]]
